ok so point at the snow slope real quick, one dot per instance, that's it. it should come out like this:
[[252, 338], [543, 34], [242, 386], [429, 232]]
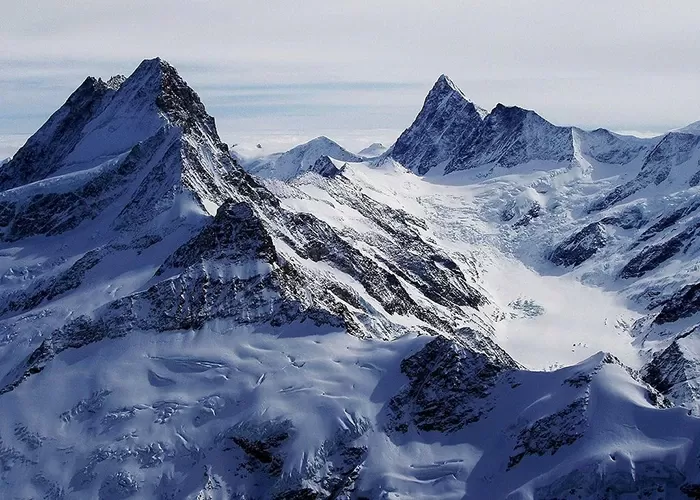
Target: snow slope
[[373, 150], [693, 128], [297, 160]]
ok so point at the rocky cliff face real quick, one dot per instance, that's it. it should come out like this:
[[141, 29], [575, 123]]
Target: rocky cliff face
[[454, 134], [446, 121]]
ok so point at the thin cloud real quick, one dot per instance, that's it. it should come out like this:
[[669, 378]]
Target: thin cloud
[[625, 65]]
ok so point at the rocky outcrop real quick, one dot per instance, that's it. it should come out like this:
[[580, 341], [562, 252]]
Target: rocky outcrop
[[580, 246], [682, 304], [327, 167], [446, 122], [675, 371], [44, 152], [449, 383], [655, 255]]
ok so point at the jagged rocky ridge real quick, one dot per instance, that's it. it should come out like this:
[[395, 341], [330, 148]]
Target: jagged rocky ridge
[[454, 134]]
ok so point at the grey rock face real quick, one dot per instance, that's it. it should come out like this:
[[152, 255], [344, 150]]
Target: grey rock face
[[133, 146], [654, 255], [325, 167], [510, 136], [682, 304], [446, 122], [606, 147], [580, 246], [651, 478], [44, 151], [548, 434], [449, 383], [452, 132], [675, 371]]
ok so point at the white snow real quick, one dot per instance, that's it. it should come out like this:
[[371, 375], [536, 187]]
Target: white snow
[[297, 160]]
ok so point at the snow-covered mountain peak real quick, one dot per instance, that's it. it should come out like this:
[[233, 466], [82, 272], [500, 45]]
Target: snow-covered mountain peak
[[172, 327], [444, 88], [444, 85], [299, 159], [373, 150], [451, 134], [446, 120], [141, 145]]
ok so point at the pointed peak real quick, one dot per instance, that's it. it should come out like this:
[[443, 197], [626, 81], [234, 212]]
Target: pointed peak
[[153, 65], [445, 80], [156, 80], [444, 85], [445, 88]]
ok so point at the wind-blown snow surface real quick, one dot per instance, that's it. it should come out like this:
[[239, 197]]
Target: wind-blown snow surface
[[173, 328]]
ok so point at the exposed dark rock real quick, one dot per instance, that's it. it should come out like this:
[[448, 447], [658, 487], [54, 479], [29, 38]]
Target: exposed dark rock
[[695, 179], [669, 220], [235, 234], [653, 256], [629, 218], [533, 212], [673, 150], [548, 434], [262, 453], [651, 479], [682, 304], [325, 167], [606, 147], [446, 122], [666, 369], [449, 383], [510, 136], [44, 151], [674, 373], [580, 246]]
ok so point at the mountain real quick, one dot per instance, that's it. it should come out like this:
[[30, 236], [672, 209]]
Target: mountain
[[446, 121], [693, 128], [298, 160], [373, 150], [172, 326], [112, 242], [451, 134]]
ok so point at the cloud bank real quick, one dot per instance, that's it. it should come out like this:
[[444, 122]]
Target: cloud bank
[[358, 71]]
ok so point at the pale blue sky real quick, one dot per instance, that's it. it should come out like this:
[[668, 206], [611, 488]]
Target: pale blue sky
[[282, 72]]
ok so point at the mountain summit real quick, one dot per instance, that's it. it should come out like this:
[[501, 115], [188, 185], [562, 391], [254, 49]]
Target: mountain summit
[[136, 144], [451, 134], [446, 122]]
